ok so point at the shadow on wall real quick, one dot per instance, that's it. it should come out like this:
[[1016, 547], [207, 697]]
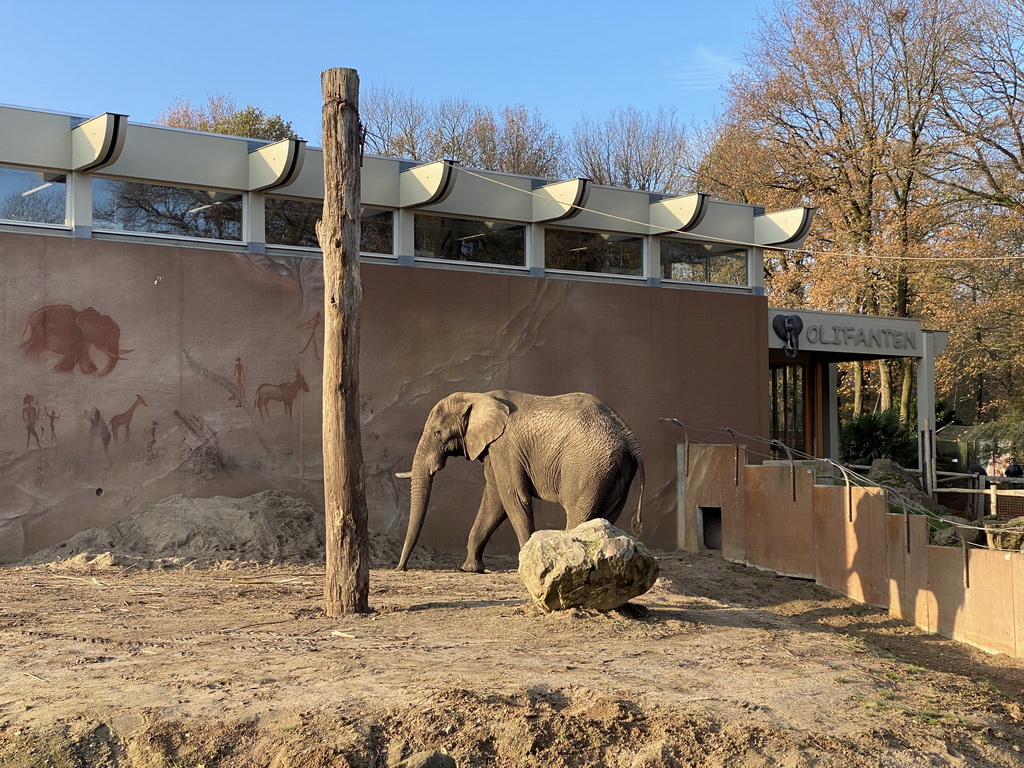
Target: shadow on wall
[[849, 540]]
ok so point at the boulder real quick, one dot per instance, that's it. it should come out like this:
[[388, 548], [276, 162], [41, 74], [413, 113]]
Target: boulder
[[595, 565], [427, 760], [1004, 534], [888, 473], [960, 528]]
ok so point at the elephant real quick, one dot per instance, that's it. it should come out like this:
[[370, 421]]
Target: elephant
[[788, 328], [62, 329], [570, 449]]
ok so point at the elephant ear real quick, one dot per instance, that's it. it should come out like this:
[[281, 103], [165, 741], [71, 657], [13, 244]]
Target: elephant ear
[[92, 323], [485, 422]]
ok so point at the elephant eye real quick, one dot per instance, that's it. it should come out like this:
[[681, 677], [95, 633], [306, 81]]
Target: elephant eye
[[437, 433]]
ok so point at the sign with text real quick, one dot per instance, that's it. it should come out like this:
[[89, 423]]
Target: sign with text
[[845, 334]]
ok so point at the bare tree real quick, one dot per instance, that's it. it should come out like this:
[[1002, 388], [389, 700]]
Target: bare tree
[[634, 149], [984, 108], [396, 123], [511, 140]]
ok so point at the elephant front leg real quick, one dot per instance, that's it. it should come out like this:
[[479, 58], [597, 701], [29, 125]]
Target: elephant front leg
[[66, 364], [488, 518], [518, 505]]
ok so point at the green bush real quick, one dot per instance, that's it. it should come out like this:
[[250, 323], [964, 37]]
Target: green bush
[[878, 435]]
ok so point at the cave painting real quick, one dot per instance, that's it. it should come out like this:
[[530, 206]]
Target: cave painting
[[311, 325], [125, 419], [151, 437], [239, 376], [30, 415], [285, 392], [65, 331], [52, 416]]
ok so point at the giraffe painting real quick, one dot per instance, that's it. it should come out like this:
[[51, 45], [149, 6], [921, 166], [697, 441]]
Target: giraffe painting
[[125, 419]]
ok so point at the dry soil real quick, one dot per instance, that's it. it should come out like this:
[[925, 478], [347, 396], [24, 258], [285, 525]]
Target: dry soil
[[111, 660]]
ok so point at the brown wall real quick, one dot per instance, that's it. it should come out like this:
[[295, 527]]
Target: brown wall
[[186, 314], [847, 540]]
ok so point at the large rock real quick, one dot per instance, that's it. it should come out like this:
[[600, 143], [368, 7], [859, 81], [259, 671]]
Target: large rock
[[960, 530], [595, 565], [427, 760], [889, 474]]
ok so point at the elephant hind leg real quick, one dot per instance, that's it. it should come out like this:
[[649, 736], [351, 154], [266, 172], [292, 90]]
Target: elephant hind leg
[[608, 500], [616, 500], [34, 347], [85, 364], [66, 364]]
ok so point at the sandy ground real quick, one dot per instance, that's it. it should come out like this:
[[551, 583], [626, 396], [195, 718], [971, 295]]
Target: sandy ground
[[109, 663]]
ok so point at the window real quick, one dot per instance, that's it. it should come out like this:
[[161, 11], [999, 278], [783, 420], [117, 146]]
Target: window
[[703, 262], [132, 206], [376, 231], [293, 222], [33, 196], [485, 242], [593, 252], [788, 406]]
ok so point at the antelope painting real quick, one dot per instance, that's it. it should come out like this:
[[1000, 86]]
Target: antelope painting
[[285, 392]]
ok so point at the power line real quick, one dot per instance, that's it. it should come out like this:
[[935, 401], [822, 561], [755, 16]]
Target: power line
[[809, 251]]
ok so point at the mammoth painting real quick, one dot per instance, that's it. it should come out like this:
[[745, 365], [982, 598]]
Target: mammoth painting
[[65, 331]]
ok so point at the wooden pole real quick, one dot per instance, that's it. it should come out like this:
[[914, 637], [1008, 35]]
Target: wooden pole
[[347, 584]]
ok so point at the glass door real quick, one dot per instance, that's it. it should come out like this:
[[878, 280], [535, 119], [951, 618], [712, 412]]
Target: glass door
[[792, 400]]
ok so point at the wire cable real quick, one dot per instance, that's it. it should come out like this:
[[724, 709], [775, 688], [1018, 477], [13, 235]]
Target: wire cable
[[809, 251]]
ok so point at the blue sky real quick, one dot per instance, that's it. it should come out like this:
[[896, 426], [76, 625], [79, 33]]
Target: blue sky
[[565, 58]]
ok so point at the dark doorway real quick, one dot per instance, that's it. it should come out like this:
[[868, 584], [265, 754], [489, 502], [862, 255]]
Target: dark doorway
[[710, 521]]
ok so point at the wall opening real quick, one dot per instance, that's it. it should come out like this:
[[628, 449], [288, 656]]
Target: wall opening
[[709, 527]]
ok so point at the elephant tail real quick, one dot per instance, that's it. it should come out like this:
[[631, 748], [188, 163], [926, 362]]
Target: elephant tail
[[637, 523], [33, 343], [632, 446]]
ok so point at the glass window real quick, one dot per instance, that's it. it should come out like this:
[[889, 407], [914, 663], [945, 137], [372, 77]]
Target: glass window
[[376, 231], [132, 206], [487, 242], [593, 252], [788, 406], [293, 222], [33, 196], [703, 262]]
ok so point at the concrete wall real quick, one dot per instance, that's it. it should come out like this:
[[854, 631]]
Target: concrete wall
[[198, 321], [848, 540]]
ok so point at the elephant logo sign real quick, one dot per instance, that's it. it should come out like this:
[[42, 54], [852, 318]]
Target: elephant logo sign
[[788, 328], [63, 330]]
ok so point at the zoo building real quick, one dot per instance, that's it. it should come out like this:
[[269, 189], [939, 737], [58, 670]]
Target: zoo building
[[162, 310]]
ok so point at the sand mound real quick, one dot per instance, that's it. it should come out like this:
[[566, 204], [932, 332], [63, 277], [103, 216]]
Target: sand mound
[[275, 526]]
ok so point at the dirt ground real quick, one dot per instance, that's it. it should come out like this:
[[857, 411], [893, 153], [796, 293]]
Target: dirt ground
[[113, 661]]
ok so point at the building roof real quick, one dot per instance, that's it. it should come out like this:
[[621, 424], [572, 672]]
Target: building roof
[[111, 145]]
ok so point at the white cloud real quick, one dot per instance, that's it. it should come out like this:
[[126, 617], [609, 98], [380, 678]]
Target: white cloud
[[701, 69]]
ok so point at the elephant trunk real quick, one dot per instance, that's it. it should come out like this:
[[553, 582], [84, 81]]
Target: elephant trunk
[[422, 481]]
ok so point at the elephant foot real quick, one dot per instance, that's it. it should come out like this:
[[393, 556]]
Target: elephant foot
[[66, 364], [473, 566]]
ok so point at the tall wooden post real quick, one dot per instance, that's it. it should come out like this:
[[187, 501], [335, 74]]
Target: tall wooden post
[[347, 584]]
